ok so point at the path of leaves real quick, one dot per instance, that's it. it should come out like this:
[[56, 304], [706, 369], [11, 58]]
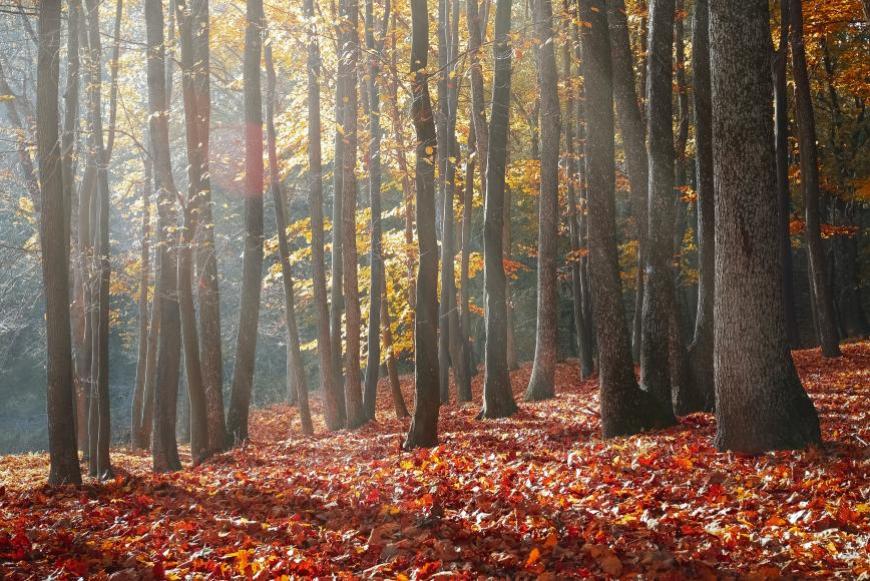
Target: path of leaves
[[536, 495]]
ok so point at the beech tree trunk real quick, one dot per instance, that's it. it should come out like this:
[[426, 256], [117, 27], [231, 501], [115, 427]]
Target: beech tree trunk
[[760, 403], [823, 303], [164, 449], [336, 295], [142, 350], [423, 432], [333, 397], [249, 311], [542, 382], [392, 367], [498, 398], [658, 298], [702, 397], [625, 409], [63, 457]]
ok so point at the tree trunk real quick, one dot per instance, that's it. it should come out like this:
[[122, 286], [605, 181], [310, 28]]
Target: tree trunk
[[71, 114], [625, 409], [392, 368], [337, 297], [64, 464], [701, 349], [760, 403], [142, 350], [465, 251], [632, 130], [476, 26], [498, 398], [821, 291], [249, 311], [164, 450], [423, 432], [296, 382], [146, 420], [658, 298], [542, 382]]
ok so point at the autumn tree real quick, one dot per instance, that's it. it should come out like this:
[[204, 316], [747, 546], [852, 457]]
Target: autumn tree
[[246, 342], [760, 403]]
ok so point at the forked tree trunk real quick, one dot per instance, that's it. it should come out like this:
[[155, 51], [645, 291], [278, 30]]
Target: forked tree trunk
[[542, 382], [63, 458], [658, 297], [332, 395], [164, 449], [823, 303], [760, 403], [625, 409], [498, 399], [423, 432], [246, 343]]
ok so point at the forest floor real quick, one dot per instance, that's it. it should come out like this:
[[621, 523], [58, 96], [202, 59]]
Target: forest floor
[[537, 495]]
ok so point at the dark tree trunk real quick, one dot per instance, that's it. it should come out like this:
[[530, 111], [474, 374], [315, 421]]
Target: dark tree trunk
[[658, 297], [823, 303], [476, 25], [760, 403], [424, 424], [64, 462], [632, 130], [465, 252], [701, 349], [249, 311], [336, 295], [392, 367], [542, 381], [142, 350], [625, 409], [164, 450], [70, 116], [296, 381], [498, 398]]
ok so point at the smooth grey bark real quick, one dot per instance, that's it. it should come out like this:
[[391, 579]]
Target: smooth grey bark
[[423, 432], [63, 456], [138, 398], [760, 403], [542, 381], [625, 409], [252, 267], [823, 303]]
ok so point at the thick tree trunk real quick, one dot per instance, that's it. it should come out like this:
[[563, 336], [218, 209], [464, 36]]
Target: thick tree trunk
[[424, 424], [760, 403], [249, 311], [625, 409], [164, 450], [498, 399], [144, 283], [701, 349], [64, 464], [821, 291], [632, 130], [542, 381], [658, 298]]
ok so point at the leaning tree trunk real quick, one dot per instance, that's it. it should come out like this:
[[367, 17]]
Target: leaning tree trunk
[[423, 432], [625, 409], [498, 398], [658, 297], [297, 382], [760, 403], [333, 408], [542, 381], [823, 303], [63, 457], [701, 350], [164, 449], [249, 311]]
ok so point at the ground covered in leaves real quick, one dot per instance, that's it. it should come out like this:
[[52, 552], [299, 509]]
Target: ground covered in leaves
[[537, 495]]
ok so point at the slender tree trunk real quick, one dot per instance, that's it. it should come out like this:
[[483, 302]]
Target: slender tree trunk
[[337, 297], [71, 114], [296, 381], [464, 281], [164, 450], [392, 368], [760, 403], [144, 283], [146, 420], [821, 292], [498, 399], [701, 349], [249, 311], [333, 397], [542, 382], [625, 409], [658, 298], [476, 26], [64, 465], [423, 432]]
